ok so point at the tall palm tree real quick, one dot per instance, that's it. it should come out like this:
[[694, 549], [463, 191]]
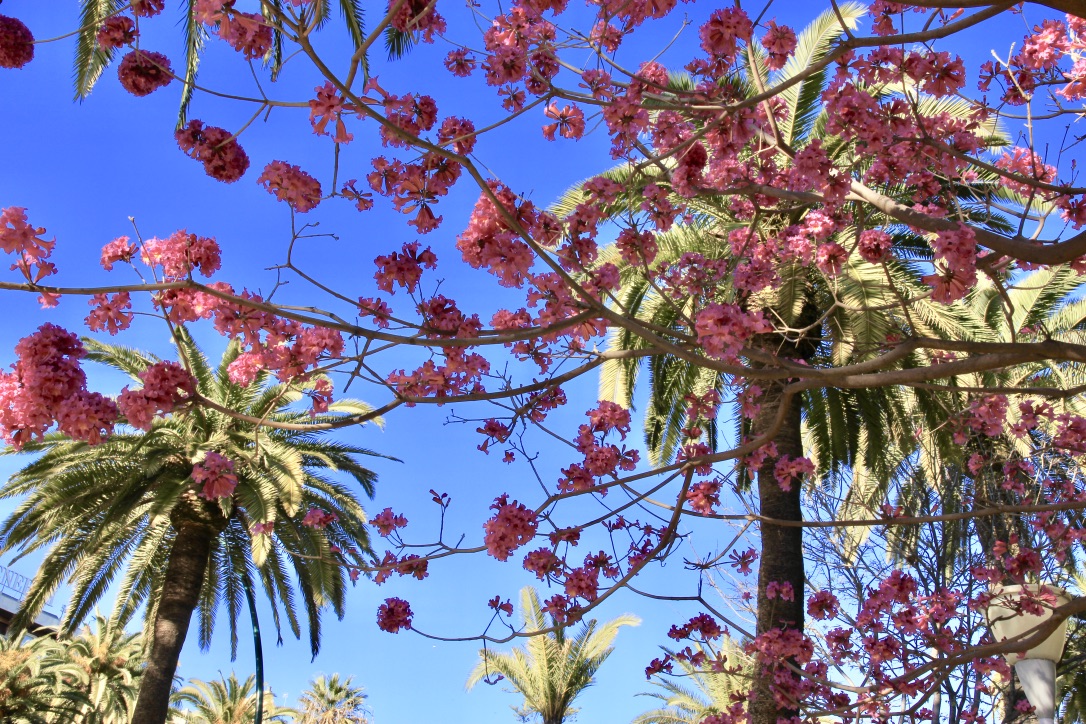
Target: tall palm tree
[[332, 700], [552, 669], [698, 693], [130, 509], [110, 660], [226, 701], [857, 437], [34, 681]]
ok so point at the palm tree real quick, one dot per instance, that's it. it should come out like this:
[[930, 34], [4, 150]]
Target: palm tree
[[552, 669], [854, 437], [226, 701], [129, 508], [34, 678], [698, 693], [110, 660], [331, 700]]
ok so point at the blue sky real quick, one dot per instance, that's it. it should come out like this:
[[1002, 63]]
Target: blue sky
[[83, 169]]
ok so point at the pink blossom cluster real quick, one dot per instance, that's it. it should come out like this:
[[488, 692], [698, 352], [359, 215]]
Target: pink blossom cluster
[[180, 254], [600, 459], [116, 32], [788, 470], [147, 8], [48, 385], [411, 565], [957, 249], [403, 268], [393, 615], [110, 313], [247, 33], [142, 72], [216, 148], [318, 519], [166, 385], [512, 526], [16, 43], [329, 107], [215, 473], [292, 185], [490, 243], [723, 329], [18, 237], [387, 521]]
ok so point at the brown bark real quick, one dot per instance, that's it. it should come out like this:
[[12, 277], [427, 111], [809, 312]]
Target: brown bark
[[180, 593], [782, 547]]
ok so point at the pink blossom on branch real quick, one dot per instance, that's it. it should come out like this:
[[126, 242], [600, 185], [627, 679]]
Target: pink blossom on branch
[[215, 473], [16, 43], [166, 385], [292, 185], [220, 153], [512, 526], [142, 72], [394, 614]]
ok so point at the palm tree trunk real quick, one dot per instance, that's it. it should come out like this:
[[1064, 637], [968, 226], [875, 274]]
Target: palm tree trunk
[[180, 593], [782, 546]]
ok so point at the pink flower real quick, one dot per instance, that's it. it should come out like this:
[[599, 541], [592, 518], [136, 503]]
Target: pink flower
[[394, 614], [780, 42], [292, 185], [182, 253], [110, 314], [266, 528], [460, 63], [165, 386], [16, 43], [387, 521], [147, 8], [569, 122], [874, 245], [120, 249], [47, 385], [87, 416], [704, 496], [542, 563], [327, 108], [142, 72], [830, 257], [216, 474], [510, 528], [222, 156], [318, 519], [116, 32], [721, 33], [822, 605]]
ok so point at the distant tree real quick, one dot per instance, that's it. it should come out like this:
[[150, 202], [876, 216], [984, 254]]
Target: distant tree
[[226, 701], [552, 669], [33, 673], [110, 663], [332, 700]]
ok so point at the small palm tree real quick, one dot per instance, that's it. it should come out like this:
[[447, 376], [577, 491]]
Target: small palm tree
[[110, 660], [552, 669], [698, 693], [226, 701], [35, 679], [130, 508], [332, 700]]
